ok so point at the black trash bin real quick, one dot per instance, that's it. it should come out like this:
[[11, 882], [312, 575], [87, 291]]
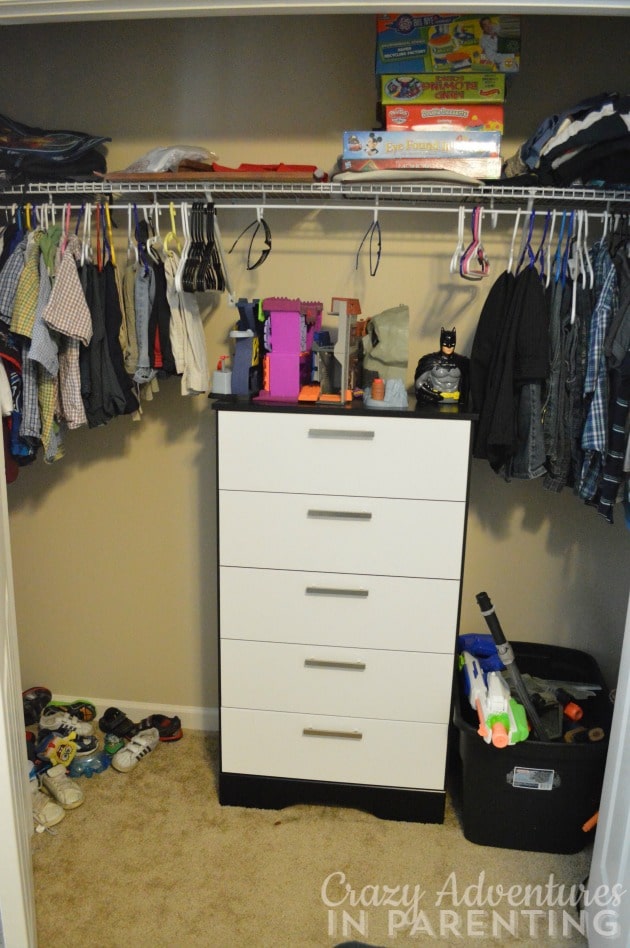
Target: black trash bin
[[535, 795]]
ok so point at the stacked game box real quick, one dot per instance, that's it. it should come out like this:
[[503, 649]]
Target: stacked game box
[[441, 90]]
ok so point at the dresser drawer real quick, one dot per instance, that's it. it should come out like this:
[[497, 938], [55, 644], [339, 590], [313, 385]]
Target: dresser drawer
[[336, 454], [364, 683], [341, 534], [391, 612], [327, 748]]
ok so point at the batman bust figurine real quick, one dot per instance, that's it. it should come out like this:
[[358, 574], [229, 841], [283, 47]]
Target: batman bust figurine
[[442, 378]]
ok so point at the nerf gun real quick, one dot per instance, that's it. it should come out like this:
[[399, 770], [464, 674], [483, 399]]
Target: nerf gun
[[502, 720]]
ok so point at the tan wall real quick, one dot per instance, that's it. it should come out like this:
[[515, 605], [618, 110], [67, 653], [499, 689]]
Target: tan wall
[[114, 546]]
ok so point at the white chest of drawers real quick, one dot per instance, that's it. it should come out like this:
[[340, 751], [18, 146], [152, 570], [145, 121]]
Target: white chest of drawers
[[341, 538]]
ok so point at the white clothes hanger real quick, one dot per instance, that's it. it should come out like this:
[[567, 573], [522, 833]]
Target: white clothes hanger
[[587, 254], [510, 262], [183, 209], [132, 246], [154, 242], [86, 241]]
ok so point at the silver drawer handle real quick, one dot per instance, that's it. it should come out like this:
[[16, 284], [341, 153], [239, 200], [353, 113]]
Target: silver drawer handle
[[339, 515], [329, 663], [349, 435], [331, 591], [320, 732]]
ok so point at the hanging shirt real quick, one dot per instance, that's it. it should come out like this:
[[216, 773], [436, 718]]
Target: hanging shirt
[[9, 279], [188, 340], [68, 314], [595, 433]]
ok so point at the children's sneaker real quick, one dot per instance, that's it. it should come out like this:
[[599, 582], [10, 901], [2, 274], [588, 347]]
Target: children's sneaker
[[46, 812], [61, 749], [64, 790], [53, 719], [34, 700], [56, 748], [84, 710], [138, 747]]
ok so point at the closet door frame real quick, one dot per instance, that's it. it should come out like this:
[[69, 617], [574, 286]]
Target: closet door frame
[[18, 927]]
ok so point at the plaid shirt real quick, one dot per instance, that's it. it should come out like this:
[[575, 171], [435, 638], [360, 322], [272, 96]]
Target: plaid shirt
[[595, 433], [25, 301], [9, 279], [67, 312]]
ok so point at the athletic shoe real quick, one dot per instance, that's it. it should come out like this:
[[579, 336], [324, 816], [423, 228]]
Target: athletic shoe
[[53, 719], [34, 700], [138, 747], [65, 791], [51, 742], [56, 748], [83, 710], [46, 812]]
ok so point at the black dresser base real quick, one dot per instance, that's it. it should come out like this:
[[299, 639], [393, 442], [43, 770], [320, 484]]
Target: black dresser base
[[387, 803]]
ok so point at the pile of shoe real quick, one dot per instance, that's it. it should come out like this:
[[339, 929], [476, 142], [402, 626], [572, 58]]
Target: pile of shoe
[[64, 731], [141, 738], [65, 746]]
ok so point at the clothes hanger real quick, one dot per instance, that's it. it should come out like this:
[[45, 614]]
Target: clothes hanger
[[474, 263], [257, 224], [548, 266], [67, 211], [154, 242], [132, 247], [564, 267], [557, 257], [109, 235], [86, 241], [541, 257], [375, 254], [587, 255], [99, 249], [215, 270], [184, 254], [459, 249], [513, 243], [527, 244], [172, 234], [140, 234]]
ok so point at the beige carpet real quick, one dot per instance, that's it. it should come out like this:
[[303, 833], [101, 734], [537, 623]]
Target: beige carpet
[[150, 860]]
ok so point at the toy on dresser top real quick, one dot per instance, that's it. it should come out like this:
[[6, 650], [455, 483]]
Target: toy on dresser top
[[442, 378]]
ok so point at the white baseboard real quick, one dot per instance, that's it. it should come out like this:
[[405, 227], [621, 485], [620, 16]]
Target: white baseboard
[[195, 719]]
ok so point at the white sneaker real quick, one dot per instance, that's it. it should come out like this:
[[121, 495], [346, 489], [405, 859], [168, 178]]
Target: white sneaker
[[138, 747], [46, 812], [53, 719], [59, 785]]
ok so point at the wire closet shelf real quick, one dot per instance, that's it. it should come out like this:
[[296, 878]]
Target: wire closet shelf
[[405, 195]]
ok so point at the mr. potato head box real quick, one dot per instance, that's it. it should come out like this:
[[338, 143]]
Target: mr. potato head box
[[422, 43]]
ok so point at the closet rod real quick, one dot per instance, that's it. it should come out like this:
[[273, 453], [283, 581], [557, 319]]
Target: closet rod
[[382, 208], [374, 207], [235, 190]]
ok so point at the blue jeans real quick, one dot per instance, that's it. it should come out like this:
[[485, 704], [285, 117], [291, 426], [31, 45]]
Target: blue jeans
[[529, 460]]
